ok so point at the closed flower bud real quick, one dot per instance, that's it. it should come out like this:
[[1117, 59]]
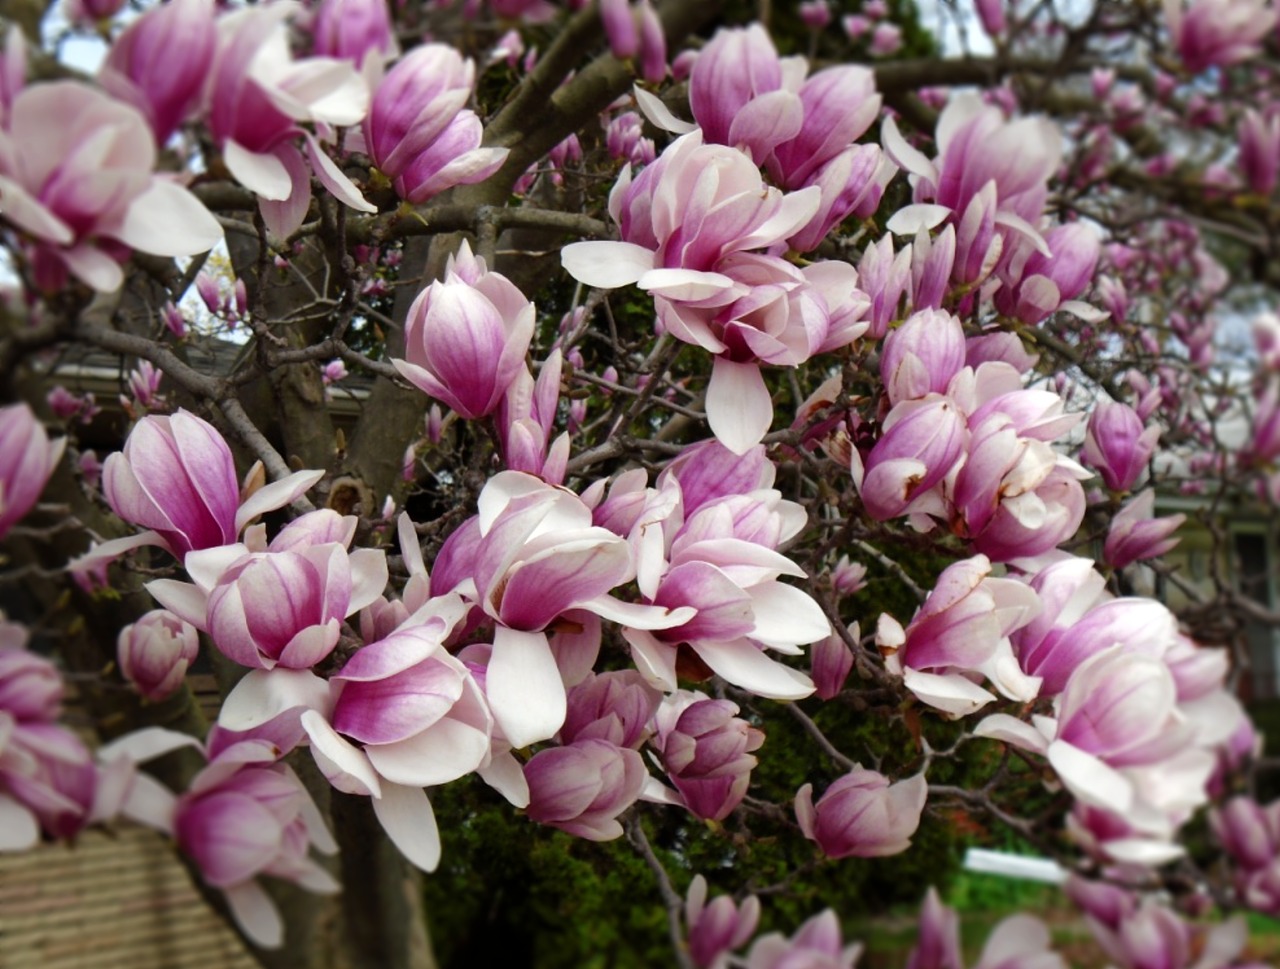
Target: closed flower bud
[[155, 652], [862, 814]]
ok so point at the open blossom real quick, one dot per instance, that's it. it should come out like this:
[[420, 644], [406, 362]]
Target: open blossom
[[995, 206], [83, 187], [531, 555], [257, 99], [27, 459], [690, 223], [722, 562], [466, 336], [862, 814], [245, 815], [962, 629]]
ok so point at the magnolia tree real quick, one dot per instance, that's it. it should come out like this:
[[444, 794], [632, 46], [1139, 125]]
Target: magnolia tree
[[699, 385]]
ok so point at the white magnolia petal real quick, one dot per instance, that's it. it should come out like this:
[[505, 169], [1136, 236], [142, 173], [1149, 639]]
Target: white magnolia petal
[[504, 774], [1011, 730], [406, 816], [1142, 851], [656, 792], [263, 174], [146, 744], [655, 660], [256, 914], [369, 577], [606, 265], [275, 495], [262, 695], [739, 408], [334, 179], [951, 693], [910, 219], [684, 284], [167, 220], [785, 616], [94, 267], [524, 687], [183, 599], [149, 802], [445, 751], [1090, 779], [903, 154], [18, 828], [345, 765], [750, 668], [206, 565], [635, 615], [653, 108]]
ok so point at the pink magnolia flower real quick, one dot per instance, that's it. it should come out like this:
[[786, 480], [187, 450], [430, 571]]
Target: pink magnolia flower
[[1121, 745], [27, 459], [706, 750], [1037, 284], [922, 356], [816, 14], [738, 95], [717, 929], [722, 562], [531, 555], [689, 224], [47, 782], [246, 815], [89, 11], [991, 14], [353, 30], [418, 132], [923, 440], [1249, 832], [1208, 33], [466, 337], [962, 629], [582, 788], [817, 944], [177, 477], [989, 179], [862, 815], [286, 607], [1117, 445], [1136, 535], [256, 100], [831, 661], [30, 686], [1259, 136], [526, 416], [420, 720], [1017, 496], [161, 61], [83, 189], [155, 652], [614, 706], [938, 942]]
